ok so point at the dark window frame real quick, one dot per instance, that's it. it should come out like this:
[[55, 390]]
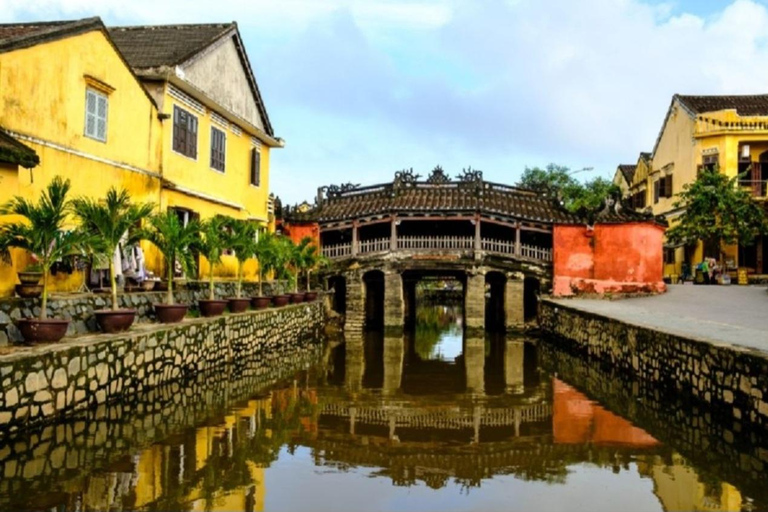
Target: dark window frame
[[185, 128], [255, 167], [218, 149]]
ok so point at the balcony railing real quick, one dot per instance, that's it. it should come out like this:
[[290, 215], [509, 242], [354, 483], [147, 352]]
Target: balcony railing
[[439, 244]]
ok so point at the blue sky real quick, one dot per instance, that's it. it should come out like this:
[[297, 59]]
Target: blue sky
[[362, 88]]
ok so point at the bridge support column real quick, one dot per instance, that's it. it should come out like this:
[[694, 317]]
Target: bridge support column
[[394, 312], [394, 347], [474, 301], [355, 317], [514, 311], [474, 364], [514, 351]]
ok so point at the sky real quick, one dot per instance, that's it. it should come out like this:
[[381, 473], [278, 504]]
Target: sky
[[362, 88]]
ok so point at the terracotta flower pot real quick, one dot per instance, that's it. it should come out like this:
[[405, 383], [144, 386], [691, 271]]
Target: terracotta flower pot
[[260, 302], [280, 300], [297, 298], [30, 277], [29, 291], [116, 320], [49, 330], [148, 285], [212, 307], [239, 305], [170, 313], [310, 296]]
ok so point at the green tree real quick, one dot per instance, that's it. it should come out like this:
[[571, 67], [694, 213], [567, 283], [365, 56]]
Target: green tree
[[264, 252], [175, 242], [212, 244], [717, 211], [557, 181], [43, 232], [107, 222], [240, 236]]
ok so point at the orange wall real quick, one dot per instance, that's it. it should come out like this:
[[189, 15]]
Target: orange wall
[[611, 258], [296, 232]]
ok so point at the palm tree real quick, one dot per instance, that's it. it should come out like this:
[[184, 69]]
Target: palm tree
[[241, 237], [107, 222], [175, 242], [309, 258], [265, 256], [282, 257], [212, 244], [43, 231]]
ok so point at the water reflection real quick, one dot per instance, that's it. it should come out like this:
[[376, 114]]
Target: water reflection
[[389, 422]]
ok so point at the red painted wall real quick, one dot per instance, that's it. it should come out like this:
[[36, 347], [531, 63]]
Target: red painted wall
[[611, 258], [296, 232]]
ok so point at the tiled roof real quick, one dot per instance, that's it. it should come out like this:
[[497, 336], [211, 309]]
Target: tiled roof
[[419, 197], [14, 36], [14, 152], [165, 45], [754, 105], [614, 212], [628, 171]]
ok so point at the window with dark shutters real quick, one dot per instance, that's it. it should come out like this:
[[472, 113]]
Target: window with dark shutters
[[218, 149], [255, 167], [667, 190], [656, 191], [184, 132]]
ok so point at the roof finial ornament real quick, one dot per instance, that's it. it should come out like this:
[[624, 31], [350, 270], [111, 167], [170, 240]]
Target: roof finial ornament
[[406, 177], [438, 176]]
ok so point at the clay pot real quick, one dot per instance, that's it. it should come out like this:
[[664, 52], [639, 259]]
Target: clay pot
[[30, 277], [148, 285], [212, 307], [280, 300], [50, 330], [161, 286], [239, 305], [297, 298], [310, 296], [170, 313], [29, 291], [260, 302], [115, 320]]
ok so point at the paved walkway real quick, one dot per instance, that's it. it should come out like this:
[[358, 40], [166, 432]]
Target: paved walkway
[[736, 315]]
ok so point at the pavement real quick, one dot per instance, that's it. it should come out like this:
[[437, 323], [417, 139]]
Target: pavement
[[734, 315]]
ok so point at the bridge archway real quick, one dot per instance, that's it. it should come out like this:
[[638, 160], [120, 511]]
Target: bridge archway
[[531, 291], [339, 299], [373, 282], [495, 284]]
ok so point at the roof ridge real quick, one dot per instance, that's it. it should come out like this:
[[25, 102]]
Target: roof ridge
[[48, 23], [173, 25]]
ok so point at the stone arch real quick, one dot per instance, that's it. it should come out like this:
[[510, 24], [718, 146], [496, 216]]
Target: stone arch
[[339, 299], [495, 284], [373, 284], [531, 292]]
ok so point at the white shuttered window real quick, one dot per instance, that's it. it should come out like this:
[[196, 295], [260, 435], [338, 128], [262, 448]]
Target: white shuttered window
[[96, 105]]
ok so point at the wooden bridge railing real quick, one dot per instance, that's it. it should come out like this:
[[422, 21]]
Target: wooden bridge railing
[[439, 243]]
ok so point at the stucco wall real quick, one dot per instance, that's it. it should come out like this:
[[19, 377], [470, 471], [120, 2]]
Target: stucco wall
[[611, 258], [46, 382]]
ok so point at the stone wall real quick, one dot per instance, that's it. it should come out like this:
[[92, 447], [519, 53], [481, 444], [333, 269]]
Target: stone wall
[[727, 380], [79, 308], [43, 383]]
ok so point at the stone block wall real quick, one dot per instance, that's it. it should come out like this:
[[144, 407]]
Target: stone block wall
[[46, 382], [728, 380], [79, 308]]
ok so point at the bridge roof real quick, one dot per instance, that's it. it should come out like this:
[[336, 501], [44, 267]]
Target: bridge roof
[[469, 193]]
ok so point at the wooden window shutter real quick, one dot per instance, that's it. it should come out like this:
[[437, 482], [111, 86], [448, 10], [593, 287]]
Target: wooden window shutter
[[255, 167], [656, 191], [668, 186]]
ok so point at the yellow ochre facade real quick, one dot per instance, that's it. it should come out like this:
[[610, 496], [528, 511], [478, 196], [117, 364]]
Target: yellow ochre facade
[[81, 98], [730, 132]]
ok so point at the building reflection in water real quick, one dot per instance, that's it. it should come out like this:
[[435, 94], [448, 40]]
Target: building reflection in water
[[411, 411]]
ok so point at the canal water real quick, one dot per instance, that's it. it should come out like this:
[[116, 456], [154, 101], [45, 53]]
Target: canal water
[[426, 421]]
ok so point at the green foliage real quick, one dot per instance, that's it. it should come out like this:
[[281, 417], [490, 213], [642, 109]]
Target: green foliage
[[716, 210], [240, 236], [175, 242], [43, 231], [265, 254], [557, 181], [211, 245], [107, 222]]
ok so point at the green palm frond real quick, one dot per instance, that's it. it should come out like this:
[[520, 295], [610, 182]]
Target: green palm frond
[[213, 240], [175, 241]]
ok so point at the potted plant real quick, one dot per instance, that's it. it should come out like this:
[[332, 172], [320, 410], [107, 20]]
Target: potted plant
[[107, 222], [295, 265], [308, 260], [29, 286], [43, 233], [281, 257], [174, 240], [240, 237], [265, 256], [211, 245]]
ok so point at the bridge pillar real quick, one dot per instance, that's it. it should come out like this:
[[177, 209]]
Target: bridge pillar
[[394, 311], [474, 301], [514, 310], [474, 364], [394, 348], [355, 317], [514, 350]]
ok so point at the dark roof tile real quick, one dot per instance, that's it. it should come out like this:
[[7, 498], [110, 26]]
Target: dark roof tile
[[628, 171], [751, 105], [14, 36], [14, 152]]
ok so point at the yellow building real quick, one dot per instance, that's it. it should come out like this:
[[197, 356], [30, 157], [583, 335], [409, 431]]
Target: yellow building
[[728, 131], [171, 113]]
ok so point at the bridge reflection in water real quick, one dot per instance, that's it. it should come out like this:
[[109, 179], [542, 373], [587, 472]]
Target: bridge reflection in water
[[432, 412]]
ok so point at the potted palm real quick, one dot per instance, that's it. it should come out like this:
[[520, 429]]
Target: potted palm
[[309, 259], [42, 232], [211, 245], [281, 257], [241, 237], [296, 257], [174, 240], [107, 222], [265, 255]]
